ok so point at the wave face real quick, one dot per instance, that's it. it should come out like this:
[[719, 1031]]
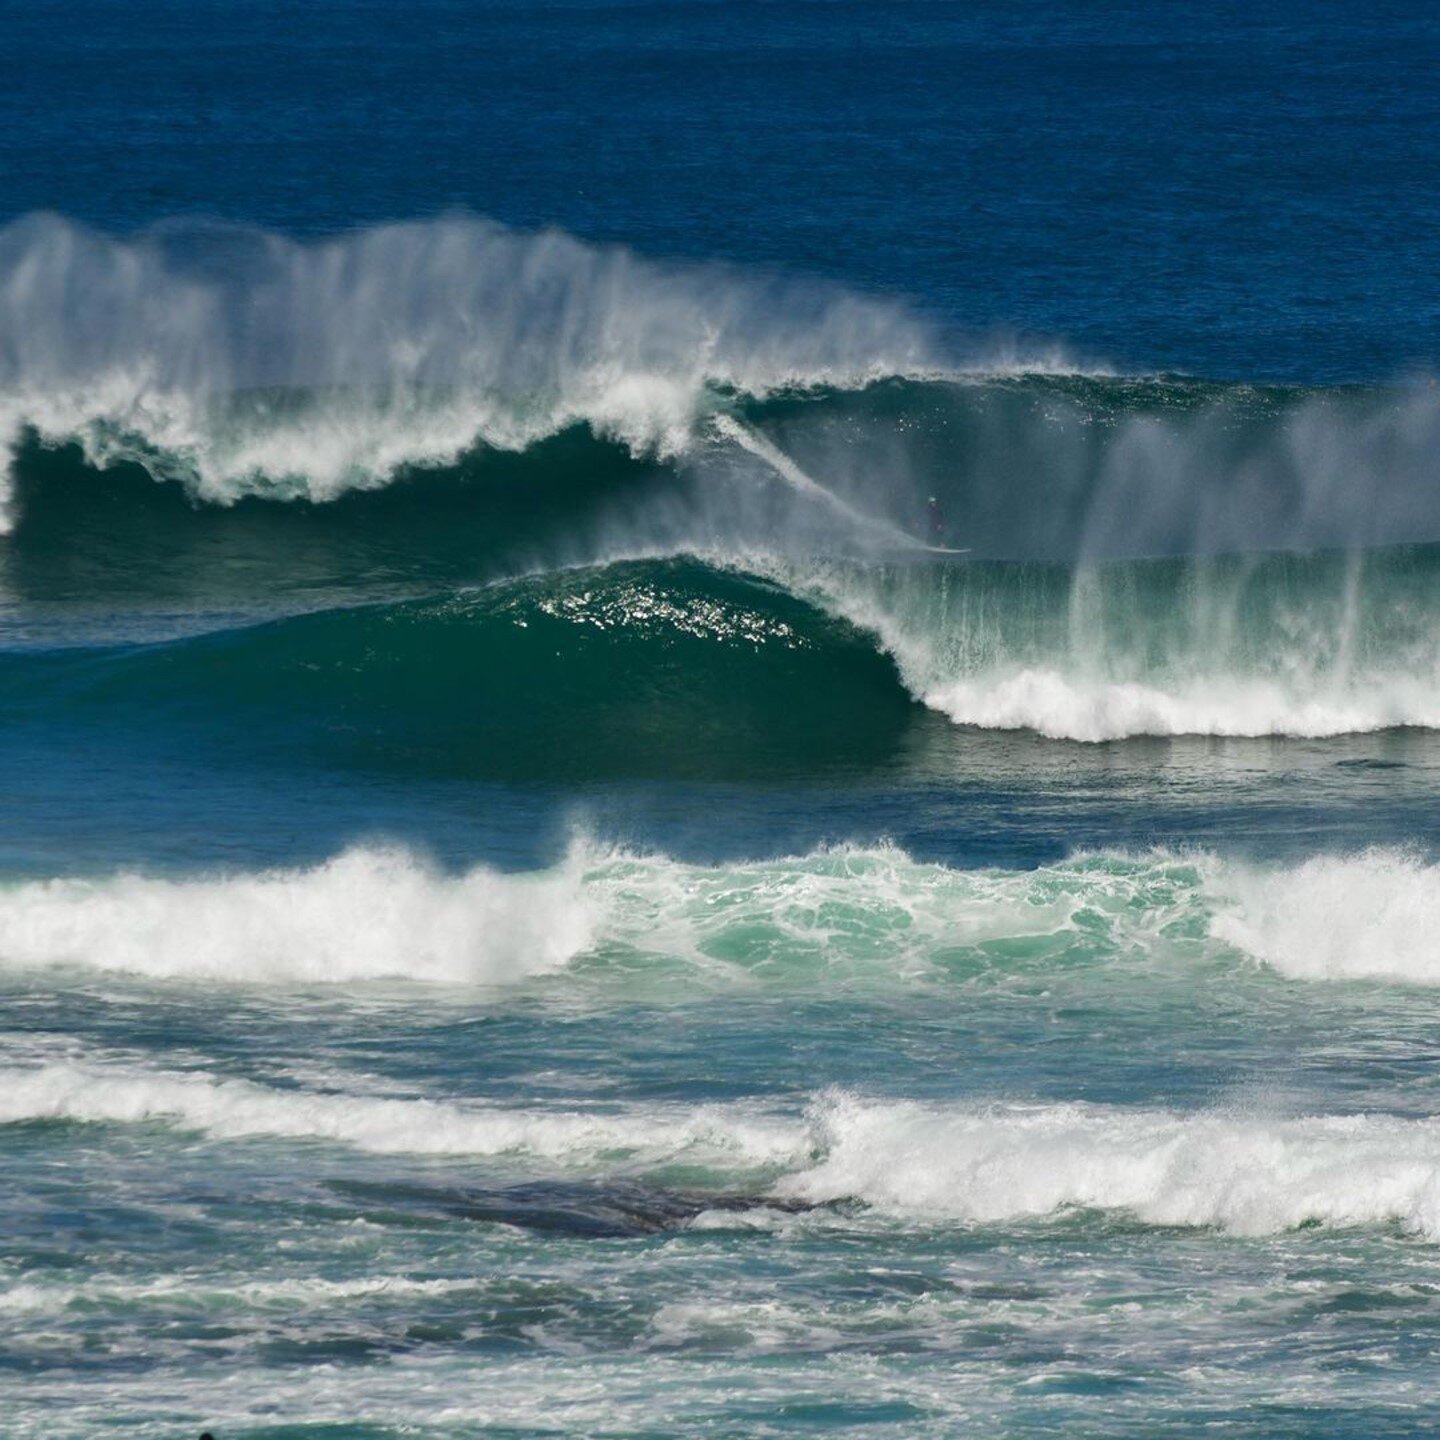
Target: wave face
[[663, 667], [612, 919], [699, 667]]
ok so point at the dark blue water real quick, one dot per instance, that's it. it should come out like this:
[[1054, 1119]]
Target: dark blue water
[[1242, 190], [718, 720]]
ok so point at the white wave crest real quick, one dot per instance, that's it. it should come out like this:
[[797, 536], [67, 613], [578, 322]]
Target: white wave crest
[[1369, 916], [368, 913], [231, 1109], [410, 344], [1249, 1176]]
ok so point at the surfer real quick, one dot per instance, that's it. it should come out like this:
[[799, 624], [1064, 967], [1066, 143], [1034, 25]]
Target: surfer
[[937, 520]]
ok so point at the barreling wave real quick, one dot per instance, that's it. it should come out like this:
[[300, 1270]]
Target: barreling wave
[[452, 403], [718, 666], [606, 920], [927, 1163]]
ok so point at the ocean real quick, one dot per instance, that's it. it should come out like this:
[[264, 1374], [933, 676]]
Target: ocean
[[719, 720]]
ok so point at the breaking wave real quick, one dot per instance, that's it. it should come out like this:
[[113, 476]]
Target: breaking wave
[[935, 1163], [240, 362], [451, 403], [1248, 1176], [613, 921], [718, 667]]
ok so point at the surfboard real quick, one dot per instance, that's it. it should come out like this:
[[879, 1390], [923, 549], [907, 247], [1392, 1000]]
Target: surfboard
[[783, 466]]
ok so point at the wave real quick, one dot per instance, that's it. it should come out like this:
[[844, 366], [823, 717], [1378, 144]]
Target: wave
[[367, 913], [1244, 1175], [451, 403], [612, 921], [716, 667], [1271, 644], [239, 362], [932, 1163], [1362, 917], [230, 1109]]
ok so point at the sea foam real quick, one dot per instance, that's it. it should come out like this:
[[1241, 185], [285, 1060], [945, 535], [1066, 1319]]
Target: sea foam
[[241, 362], [368, 913], [1360, 917], [1244, 1174], [612, 921]]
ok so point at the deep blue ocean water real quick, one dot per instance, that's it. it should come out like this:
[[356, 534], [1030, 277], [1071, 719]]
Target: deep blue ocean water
[[719, 720]]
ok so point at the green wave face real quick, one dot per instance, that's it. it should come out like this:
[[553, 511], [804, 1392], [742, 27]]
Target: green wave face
[[684, 668], [666, 667]]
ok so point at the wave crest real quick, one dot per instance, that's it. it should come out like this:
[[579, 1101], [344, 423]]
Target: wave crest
[[612, 920], [242, 362], [366, 914]]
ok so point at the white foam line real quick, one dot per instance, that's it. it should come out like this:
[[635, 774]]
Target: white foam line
[[951, 1162], [236, 1109]]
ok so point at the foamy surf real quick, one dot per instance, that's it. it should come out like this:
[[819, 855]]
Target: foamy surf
[[1247, 1175], [366, 914], [236, 1109], [606, 922], [979, 1164]]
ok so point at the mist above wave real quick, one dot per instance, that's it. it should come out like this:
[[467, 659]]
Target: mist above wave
[[186, 347], [1265, 644]]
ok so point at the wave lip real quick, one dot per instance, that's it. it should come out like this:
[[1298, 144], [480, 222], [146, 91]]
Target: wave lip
[[1241, 1175], [242, 362]]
